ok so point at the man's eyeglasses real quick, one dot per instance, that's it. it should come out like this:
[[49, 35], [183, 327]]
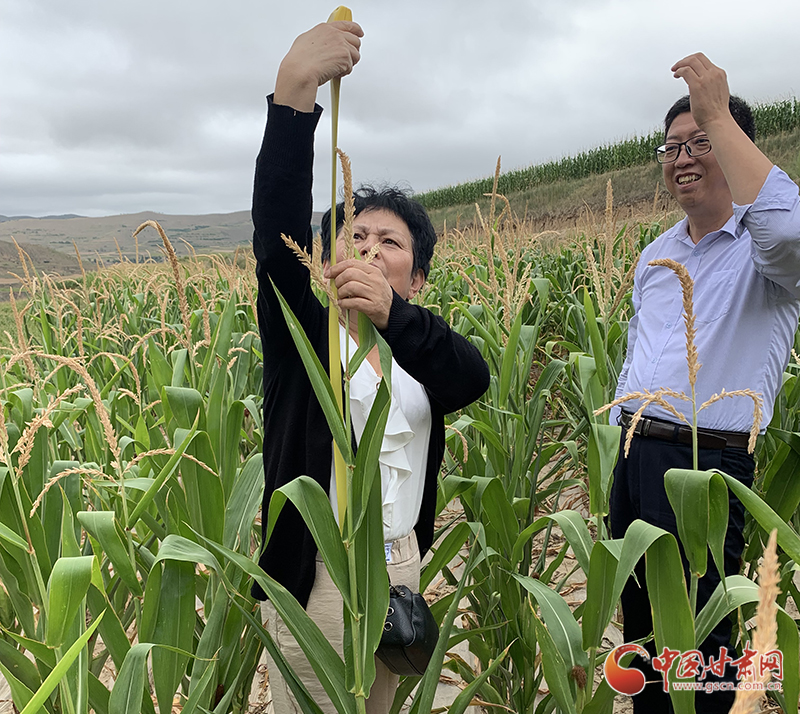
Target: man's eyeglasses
[[696, 146]]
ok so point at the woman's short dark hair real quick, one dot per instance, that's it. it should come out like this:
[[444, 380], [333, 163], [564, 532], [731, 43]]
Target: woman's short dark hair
[[399, 202], [740, 111]]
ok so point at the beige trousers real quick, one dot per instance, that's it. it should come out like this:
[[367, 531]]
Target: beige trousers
[[325, 608]]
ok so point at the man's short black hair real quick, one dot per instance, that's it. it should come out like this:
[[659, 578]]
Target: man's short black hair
[[740, 111], [399, 202]]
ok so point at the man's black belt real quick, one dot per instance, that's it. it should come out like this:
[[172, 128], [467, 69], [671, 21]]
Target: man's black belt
[[682, 434]]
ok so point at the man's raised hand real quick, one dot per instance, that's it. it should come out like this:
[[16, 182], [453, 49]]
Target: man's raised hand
[[708, 89]]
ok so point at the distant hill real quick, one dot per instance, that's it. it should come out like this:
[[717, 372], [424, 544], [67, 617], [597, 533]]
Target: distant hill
[[16, 218], [45, 260], [49, 240], [98, 238]]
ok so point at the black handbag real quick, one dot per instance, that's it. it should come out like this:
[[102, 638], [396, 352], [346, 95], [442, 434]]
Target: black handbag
[[410, 633]]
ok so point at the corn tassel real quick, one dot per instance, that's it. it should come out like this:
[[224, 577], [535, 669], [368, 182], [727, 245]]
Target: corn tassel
[[334, 356]]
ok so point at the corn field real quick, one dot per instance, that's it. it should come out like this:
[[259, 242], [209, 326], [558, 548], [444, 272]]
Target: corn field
[[131, 484], [771, 119]]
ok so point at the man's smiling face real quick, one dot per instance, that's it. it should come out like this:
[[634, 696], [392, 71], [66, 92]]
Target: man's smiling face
[[696, 183]]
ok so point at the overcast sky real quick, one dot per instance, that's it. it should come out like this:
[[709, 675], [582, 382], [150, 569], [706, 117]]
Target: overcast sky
[[117, 107]]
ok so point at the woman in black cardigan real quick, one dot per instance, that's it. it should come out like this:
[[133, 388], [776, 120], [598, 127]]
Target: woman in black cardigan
[[448, 371]]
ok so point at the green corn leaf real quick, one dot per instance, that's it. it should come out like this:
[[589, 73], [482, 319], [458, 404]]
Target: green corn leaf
[[525, 535], [66, 589], [205, 499], [217, 407], [599, 596], [319, 380], [126, 696], [164, 474], [98, 695], [11, 538], [69, 541], [142, 434], [499, 512], [304, 700], [19, 666], [789, 644], [444, 554], [464, 699], [193, 702], [179, 360], [60, 670], [600, 462], [509, 363], [314, 506], [228, 456], [20, 693], [494, 346], [591, 389], [211, 642], [780, 477], [602, 702], [367, 467], [595, 339], [367, 339], [423, 701], [327, 665], [150, 606], [371, 591], [487, 431], [577, 534], [159, 369], [175, 547], [564, 630], [220, 342], [765, 517], [638, 538], [183, 407], [740, 591], [102, 526], [700, 502], [673, 619], [244, 502], [41, 652], [174, 626], [111, 628], [555, 668]]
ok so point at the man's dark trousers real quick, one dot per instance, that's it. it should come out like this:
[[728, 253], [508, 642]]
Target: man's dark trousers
[[638, 492]]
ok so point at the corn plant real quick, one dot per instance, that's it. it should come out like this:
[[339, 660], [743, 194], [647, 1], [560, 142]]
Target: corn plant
[[130, 409]]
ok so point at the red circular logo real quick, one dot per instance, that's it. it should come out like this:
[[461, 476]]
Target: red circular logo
[[621, 679]]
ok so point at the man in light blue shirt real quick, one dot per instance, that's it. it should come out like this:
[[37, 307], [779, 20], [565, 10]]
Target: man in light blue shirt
[[740, 242]]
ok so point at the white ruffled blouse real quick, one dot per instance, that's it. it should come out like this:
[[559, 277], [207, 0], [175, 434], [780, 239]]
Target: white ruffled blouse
[[404, 451]]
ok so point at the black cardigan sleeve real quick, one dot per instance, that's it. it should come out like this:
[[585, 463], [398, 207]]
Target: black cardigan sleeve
[[282, 205], [450, 368]]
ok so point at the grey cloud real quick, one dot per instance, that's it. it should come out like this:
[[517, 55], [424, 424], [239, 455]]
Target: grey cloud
[[120, 107]]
